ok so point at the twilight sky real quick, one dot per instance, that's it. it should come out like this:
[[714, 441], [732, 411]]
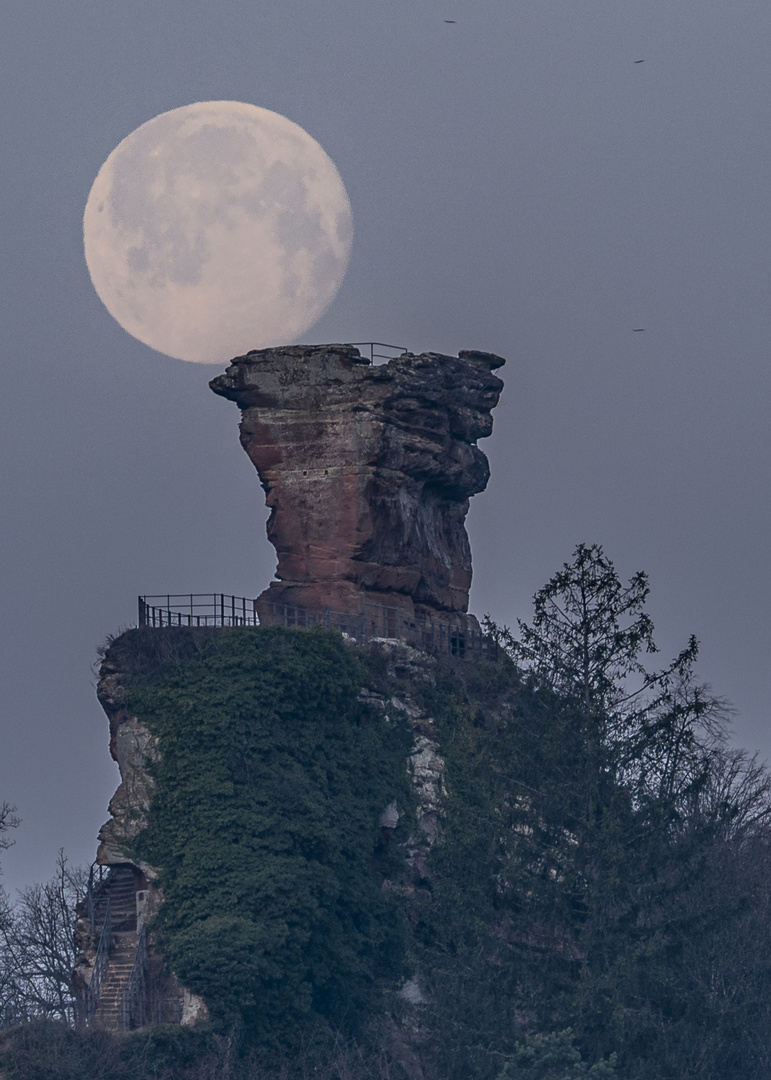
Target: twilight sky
[[519, 185]]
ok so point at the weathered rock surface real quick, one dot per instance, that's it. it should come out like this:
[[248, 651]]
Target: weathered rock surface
[[130, 886], [368, 471], [132, 747]]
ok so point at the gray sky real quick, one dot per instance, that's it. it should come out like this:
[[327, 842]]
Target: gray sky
[[519, 185]]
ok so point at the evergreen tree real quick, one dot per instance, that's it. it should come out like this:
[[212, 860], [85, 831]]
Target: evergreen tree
[[554, 1057], [587, 633], [656, 729]]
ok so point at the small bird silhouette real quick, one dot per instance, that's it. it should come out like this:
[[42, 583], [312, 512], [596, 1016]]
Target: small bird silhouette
[[639, 61], [451, 21], [639, 330]]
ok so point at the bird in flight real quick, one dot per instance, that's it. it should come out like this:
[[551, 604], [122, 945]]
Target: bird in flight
[[638, 330], [452, 21], [639, 61]]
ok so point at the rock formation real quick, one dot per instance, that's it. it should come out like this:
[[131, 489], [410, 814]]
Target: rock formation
[[368, 472], [132, 747], [121, 994], [130, 888]]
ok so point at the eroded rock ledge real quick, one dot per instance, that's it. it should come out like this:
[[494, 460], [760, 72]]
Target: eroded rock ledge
[[368, 471]]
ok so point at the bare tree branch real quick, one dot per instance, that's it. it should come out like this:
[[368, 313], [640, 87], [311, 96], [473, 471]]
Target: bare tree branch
[[37, 952]]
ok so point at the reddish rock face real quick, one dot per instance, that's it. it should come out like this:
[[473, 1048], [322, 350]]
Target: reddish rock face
[[367, 471]]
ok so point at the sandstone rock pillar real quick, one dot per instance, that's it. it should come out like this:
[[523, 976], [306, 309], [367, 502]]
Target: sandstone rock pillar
[[368, 471]]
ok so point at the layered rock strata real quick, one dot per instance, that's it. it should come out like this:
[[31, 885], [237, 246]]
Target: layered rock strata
[[367, 471]]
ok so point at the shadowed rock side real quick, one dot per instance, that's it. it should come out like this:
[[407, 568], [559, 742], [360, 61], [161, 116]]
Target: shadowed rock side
[[367, 471]]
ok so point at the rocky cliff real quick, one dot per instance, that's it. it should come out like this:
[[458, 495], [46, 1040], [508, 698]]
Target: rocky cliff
[[130, 885], [393, 744], [368, 471]]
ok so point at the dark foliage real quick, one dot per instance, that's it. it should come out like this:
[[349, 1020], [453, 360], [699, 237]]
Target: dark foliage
[[44, 1050], [559, 900], [265, 822], [578, 882], [597, 903]]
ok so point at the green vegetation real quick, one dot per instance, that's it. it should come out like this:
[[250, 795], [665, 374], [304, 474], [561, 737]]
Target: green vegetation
[[597, 903], [605, 857], [554, 1057], [270, 785], [46, 1050]]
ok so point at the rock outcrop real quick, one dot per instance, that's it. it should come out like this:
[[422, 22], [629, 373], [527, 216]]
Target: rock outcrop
[[368, 471], [129, 887], [132, 748]]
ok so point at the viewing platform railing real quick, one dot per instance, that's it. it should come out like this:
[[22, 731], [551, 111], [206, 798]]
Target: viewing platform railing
[[375, 621], [368, 348]]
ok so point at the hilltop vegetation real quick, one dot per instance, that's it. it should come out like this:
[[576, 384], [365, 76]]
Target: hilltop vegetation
[[265, 824], [596, 903], [605, 863]]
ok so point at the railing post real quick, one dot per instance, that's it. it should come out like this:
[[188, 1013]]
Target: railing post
[[133, 1005], [90, 896]]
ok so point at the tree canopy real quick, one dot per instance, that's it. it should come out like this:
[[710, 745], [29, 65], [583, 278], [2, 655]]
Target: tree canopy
[[596, 901]]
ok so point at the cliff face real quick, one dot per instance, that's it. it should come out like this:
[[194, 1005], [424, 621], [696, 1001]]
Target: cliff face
[[298, 844], [368, 472], [130, 886], [132, 748]]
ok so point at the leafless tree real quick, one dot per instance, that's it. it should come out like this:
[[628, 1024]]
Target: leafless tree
[[37, 953], [8, 820]]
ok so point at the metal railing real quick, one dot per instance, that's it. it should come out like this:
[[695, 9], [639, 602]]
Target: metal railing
[[133, 1002], [374, 621], [92, 887], [197, 609], [366, 347], [101, 960]]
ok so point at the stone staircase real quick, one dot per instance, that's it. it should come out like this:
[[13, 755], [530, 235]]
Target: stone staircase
[[121, 889]]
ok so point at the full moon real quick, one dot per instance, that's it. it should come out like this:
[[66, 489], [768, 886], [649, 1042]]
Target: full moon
[[217, 228]]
